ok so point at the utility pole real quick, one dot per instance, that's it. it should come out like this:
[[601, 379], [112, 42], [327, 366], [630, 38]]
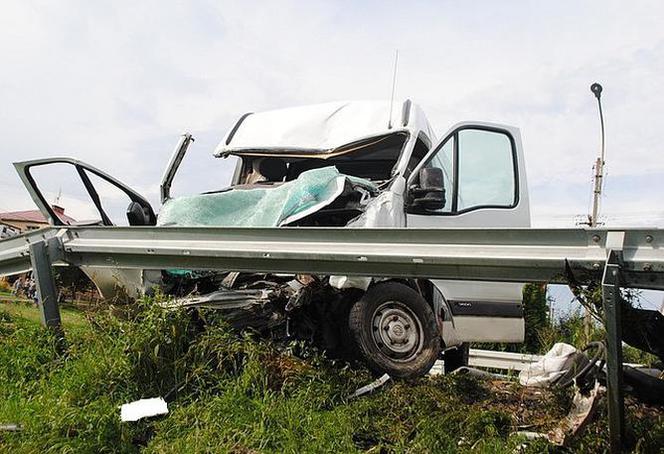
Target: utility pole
[[596, 89], [611, 302]]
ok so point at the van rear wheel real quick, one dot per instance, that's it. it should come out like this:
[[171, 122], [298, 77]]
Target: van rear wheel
[[394, 331]]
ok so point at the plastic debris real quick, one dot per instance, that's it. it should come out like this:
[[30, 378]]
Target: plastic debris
[[370, 387], [551, 366], [143, 408]]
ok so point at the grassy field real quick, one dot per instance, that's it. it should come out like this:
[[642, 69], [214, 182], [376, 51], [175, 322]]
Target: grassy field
[[230, 393], [21, 308]]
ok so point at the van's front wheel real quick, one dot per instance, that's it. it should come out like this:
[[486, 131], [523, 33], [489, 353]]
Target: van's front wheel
[[394, 330]]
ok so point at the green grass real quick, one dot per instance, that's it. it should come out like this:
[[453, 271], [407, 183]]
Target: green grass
[[230, 393], [71, 317]]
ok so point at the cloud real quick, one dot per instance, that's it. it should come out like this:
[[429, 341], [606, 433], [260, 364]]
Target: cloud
[[115, 84]]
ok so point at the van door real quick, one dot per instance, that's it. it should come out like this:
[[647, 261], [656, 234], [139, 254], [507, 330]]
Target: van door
[[71, 192], [485, 187]]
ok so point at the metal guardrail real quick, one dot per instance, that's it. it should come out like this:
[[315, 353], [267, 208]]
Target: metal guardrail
[[516, 255], [15, 251], [491, 359], [488, 359]]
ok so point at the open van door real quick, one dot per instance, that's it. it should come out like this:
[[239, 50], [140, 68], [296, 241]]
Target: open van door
[[71, 192], [90, 195], [483, 175]]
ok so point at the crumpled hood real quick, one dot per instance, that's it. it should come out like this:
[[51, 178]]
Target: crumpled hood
[[262, 207]]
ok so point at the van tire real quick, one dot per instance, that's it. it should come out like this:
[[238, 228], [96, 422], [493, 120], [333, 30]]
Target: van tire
[[394, 331]]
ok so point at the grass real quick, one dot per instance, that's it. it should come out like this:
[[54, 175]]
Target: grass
[[71, 316], [231, 393]]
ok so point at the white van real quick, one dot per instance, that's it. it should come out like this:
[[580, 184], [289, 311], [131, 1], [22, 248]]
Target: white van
[[359, 164]]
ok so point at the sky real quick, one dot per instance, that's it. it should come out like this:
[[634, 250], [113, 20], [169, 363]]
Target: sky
[[116, 83]]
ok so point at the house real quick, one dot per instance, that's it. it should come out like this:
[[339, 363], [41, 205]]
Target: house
[[31, 219]]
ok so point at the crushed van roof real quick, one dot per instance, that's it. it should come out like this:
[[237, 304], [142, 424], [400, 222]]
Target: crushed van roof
[[321, 128]]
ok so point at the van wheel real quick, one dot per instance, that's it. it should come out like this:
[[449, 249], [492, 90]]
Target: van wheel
[[394, 330]]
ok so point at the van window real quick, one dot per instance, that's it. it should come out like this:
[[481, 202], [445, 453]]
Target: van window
[[486, 170], [478, 170], [62, 189]]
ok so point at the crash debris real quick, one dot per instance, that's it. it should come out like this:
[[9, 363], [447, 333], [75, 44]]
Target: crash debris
[[143, 408], [371, 387]]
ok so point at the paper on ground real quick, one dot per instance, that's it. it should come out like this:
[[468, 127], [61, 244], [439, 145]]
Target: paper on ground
[[143, 408]]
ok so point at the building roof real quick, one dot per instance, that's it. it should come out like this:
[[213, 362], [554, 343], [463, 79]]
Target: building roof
[[34, 216], [320, 128]]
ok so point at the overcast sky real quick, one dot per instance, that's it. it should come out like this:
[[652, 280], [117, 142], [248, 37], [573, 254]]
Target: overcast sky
[[115, 83]]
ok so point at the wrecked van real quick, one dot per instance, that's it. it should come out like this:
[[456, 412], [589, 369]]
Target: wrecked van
[[360, 164]]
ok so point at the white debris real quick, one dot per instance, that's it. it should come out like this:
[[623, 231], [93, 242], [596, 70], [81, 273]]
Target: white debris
[[143, 408], [550, 367], [371, 386]]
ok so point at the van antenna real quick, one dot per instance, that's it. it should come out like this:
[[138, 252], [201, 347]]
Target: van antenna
[[596, 89], [394, 86]]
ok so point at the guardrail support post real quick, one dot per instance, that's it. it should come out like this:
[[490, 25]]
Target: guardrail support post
[[47, 295], [612, 301]]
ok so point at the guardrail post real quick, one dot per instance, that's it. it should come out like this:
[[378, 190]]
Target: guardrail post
[[612, 301], [47, 295]]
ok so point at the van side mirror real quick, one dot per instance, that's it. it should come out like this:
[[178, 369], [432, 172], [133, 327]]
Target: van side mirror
[[137, 215], [429, 193]]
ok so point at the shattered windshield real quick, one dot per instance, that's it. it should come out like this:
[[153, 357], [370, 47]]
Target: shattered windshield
[[312, 191]]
